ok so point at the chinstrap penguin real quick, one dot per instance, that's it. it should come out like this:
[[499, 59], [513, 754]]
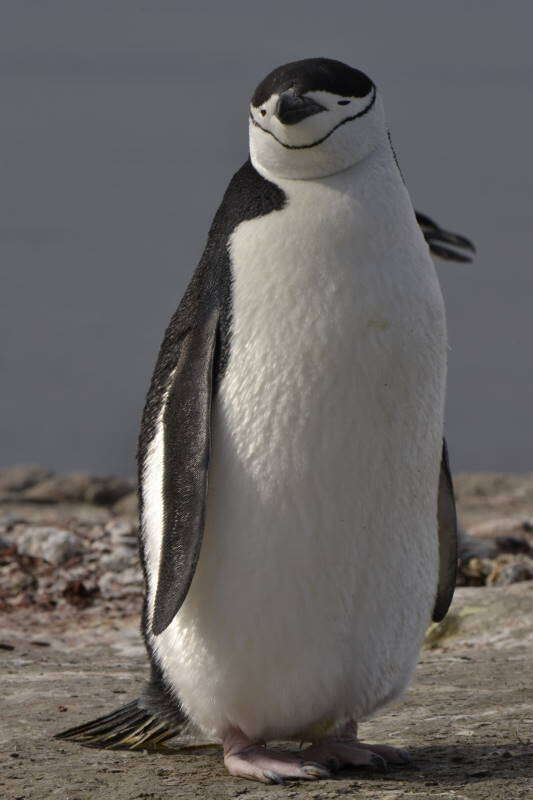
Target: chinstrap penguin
[[298, 526]]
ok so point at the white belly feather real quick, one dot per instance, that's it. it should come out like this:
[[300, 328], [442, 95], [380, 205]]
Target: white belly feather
[[318, 568]]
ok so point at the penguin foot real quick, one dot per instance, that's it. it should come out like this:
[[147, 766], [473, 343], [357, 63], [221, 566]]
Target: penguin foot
[[253, 760], [345, 750]]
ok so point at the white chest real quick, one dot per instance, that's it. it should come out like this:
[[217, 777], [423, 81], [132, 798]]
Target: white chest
[[337, 315]]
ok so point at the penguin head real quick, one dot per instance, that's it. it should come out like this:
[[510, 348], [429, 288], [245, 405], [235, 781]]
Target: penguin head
[[312, 118]]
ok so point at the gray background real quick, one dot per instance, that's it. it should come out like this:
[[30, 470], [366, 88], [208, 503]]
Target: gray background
[[121, 123]]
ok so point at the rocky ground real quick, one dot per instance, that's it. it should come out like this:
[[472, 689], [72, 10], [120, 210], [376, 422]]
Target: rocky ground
[[70, 596]]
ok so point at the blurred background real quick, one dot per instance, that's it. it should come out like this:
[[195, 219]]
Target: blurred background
[[122, 122]]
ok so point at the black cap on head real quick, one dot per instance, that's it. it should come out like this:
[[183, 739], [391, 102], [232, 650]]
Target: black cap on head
[[312, 75]]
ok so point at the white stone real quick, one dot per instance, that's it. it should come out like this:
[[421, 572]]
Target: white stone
[[119, 559], [121, 584], [51, 544], [122, 532]]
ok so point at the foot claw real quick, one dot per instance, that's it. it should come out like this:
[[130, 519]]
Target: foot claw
[[316, 771], [345, 750], [246, 759], [333, 763], [405, 756], [257, 762], [378, 763]]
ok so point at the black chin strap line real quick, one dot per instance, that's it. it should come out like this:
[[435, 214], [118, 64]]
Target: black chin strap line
[[361, 113]]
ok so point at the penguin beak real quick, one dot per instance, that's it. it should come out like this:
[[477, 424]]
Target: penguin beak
[[292, 108]]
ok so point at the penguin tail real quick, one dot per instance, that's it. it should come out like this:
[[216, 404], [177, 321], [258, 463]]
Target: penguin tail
[[131, 727]]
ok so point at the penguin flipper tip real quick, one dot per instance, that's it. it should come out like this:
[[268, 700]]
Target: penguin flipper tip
[[444, 244]]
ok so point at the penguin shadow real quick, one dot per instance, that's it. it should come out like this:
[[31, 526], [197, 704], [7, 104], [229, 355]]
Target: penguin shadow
[[443, 765], [438, 765]]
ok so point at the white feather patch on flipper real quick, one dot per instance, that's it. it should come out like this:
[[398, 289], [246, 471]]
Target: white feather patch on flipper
[[153, 471]]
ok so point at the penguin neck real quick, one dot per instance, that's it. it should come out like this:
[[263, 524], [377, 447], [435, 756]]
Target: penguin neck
[[366, 205], [373, 176], [380, 163]]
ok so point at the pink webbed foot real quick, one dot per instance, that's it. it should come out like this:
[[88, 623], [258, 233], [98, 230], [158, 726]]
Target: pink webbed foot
[[345, 750], [252, 760]]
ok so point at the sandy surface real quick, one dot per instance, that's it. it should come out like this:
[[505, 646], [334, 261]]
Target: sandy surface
[[467, 720]]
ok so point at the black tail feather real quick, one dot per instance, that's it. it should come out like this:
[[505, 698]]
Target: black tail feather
[[130, 727]]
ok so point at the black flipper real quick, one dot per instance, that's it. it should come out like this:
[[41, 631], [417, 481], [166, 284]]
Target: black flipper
[[442, 244], [448, 538], [445, 244], [191, 364], [187, 426]]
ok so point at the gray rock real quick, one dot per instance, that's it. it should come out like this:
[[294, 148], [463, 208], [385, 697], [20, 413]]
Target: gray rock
[[515, 571], [60, 488], [120, 559], [121, 584], [51, 544], [128, 505], [471, 547], [79, 487], [122, 532], [21, 477], [84, 514], [119, 527], [7, 521], [497, 525], [109, 490]]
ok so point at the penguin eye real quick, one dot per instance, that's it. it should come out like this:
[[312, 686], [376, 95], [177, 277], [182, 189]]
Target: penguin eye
[[263, 112], [342, 102]]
